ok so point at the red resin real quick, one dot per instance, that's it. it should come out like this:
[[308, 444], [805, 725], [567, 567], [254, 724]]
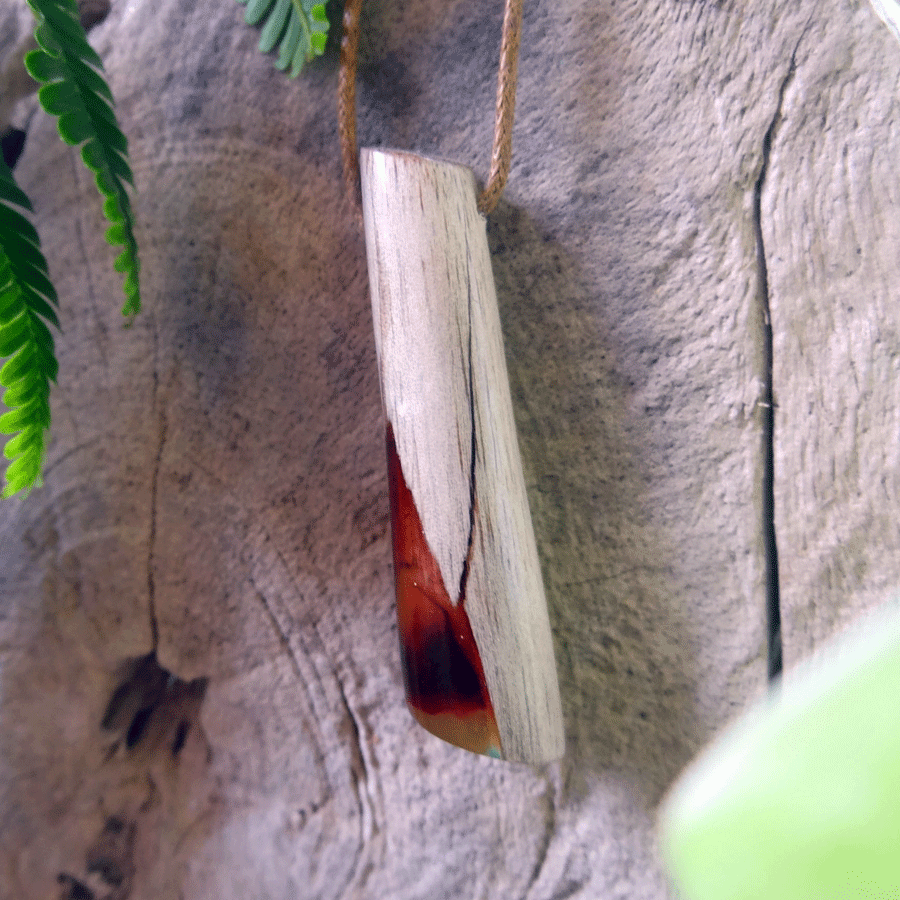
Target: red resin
[[445, 685]]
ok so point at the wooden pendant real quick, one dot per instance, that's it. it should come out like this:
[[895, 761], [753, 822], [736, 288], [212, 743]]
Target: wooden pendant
[[475, 636]]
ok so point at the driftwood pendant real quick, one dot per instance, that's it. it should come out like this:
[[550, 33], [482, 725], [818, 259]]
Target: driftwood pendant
[[475, 636]]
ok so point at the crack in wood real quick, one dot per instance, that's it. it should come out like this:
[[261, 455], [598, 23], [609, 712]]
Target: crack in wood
[[357, 734], [151, 540], [464, 575], [358, 767], [359, 772], [282, 634], [770, 542]]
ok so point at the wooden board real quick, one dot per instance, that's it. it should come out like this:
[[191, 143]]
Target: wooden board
[[216, 492]]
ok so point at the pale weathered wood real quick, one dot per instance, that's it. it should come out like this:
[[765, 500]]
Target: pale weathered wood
[[831, 221], [446, 396], [216, 489], [889, 13]]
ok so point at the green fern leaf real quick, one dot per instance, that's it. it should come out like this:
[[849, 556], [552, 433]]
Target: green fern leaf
[[74, 90], [27, 304], [298, 28]]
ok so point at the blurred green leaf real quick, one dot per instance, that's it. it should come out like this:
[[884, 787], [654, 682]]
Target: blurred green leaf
[[27, 303], [800, 798]]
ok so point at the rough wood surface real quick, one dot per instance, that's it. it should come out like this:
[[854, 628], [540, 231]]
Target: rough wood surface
[[216, 492], [445, 389], [831, 225]]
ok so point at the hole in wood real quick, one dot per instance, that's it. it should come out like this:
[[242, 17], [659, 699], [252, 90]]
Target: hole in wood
[[152, 701]]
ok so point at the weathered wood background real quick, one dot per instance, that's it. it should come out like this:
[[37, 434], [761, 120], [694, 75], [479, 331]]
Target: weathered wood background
[[216, 493]]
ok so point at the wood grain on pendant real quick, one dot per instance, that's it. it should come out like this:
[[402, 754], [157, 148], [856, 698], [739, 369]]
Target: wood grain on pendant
[[478, 651], [445, 685]]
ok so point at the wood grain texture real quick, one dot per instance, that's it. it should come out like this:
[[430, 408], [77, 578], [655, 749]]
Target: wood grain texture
[[446, 395], [832, 233], [215, 487]]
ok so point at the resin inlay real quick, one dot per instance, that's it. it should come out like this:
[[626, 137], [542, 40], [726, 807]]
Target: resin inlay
[[445, 685]]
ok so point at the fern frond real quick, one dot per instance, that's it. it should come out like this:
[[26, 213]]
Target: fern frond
[[27, 301], [298, 27], [75, 90]]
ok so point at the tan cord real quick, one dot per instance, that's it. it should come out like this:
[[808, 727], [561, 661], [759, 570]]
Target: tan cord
[[501, 152], [347, 103]]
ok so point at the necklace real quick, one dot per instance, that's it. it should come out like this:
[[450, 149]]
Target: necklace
[[476, 646]]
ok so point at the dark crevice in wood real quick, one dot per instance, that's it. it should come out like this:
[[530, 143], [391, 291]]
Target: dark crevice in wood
[[111, 857], [73, 889], [360, 774], [142, 688], [473, 453], [181, 734], [150, 698], [359, 761], [138, 726], [773, 590], [151, 539]]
